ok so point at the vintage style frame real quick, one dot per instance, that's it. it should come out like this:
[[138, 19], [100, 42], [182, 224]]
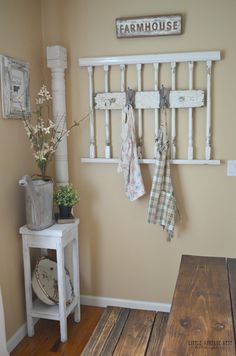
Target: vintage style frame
[[14, 87]]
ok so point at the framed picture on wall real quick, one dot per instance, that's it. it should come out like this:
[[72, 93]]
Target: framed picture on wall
[[14, 87]]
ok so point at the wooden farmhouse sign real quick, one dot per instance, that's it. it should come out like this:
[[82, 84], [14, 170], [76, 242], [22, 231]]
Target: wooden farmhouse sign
[[148, 26]]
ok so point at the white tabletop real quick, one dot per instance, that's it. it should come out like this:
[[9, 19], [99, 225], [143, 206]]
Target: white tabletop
[[56, 230]]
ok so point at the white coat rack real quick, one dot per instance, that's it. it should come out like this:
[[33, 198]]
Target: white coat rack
[[188, 99]]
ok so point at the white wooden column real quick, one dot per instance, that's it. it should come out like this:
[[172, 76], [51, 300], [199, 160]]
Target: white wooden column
[[173, 113], [92, 148], [107, 116], [57, 62], [140, 116], [190, 114], [208, 112], [156, 111]]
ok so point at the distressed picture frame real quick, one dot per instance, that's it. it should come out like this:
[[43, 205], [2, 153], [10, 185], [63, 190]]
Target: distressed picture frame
[[15, 95]]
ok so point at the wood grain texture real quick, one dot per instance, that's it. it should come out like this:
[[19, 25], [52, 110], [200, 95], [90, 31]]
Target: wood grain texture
[[46, 340], [157, 335], [103, 334], [231, 262], [200, 321], [136, 333]]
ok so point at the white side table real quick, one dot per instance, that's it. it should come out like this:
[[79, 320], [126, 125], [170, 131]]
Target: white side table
[[56, 237]]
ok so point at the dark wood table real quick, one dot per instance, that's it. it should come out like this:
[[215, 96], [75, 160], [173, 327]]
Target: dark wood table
[[202, 315]]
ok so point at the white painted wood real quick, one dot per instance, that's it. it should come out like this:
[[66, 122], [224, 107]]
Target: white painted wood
[[43, 311], [110, 101], [151, 58], [140, 114], [75, 262], [150, 100], [190, 114], [153, 161], [173, 113], [92, 148], [122, 77], [124, 303], [61, 290], [3, 342], [28, 289], [178, 98], [147, 100], [208, 112], [186, 99], [156, 111], [57, 62], [123, 88], [55, 237], [16, 338], [107, 116]]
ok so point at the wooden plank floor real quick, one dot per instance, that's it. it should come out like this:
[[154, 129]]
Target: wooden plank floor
[[101, 332], [46, 341]]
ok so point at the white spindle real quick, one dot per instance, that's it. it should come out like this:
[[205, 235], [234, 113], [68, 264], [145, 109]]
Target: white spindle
[[173, 113], [122, 78], [208, 111], [140, 123], [92, 148], [190, 115], [156, 112], [122, 87], [107, 116]]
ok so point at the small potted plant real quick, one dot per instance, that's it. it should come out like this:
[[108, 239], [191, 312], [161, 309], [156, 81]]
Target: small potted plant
[[66, 197]]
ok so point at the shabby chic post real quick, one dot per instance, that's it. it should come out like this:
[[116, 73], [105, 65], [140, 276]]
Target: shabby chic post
[[57, 62]]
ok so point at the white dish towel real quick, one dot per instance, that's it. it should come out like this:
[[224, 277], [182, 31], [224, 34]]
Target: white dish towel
[[128, 163]]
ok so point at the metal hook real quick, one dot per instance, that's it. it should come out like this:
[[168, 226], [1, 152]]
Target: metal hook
[[129, 96], [164, 97]]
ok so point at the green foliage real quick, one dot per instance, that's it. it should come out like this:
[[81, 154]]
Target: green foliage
[[66, 195]]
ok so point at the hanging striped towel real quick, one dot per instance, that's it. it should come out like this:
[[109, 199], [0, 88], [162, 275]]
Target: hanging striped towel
[[128, 163], [162, 205]]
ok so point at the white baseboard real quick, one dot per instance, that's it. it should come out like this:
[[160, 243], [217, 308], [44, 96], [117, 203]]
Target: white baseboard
[[125, 303], [95, 302], [18, 336]]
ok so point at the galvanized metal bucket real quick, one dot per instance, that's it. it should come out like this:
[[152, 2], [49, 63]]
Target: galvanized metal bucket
[[38, 202]]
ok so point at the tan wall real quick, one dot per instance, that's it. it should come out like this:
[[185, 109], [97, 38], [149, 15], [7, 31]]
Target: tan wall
[[20, 37], [121, 255]]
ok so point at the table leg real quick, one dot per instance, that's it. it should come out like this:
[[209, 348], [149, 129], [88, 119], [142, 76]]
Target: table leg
[[75, 251], [61, 292], [28, 290]]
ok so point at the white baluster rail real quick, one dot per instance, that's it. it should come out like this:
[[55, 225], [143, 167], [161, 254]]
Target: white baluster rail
[[173, 113], [187, 99], [92, 149], [140, 114], [107, 116], [190, 115], [156, 112]]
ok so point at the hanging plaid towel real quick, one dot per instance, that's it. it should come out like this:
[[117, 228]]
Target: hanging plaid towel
[[162, 205], [128, 163]]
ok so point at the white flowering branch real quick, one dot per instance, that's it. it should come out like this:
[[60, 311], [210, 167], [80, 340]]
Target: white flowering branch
[[45, 135]]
